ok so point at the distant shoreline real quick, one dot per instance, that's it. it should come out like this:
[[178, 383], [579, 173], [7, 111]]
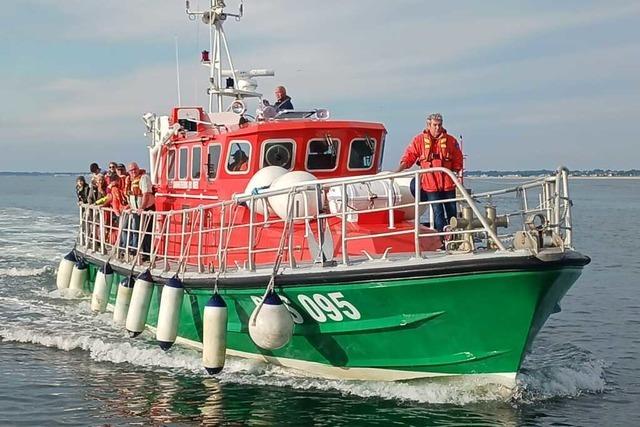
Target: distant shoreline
[[474, 176]]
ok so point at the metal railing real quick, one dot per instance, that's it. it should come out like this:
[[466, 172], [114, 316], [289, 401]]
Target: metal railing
[[231, 234]]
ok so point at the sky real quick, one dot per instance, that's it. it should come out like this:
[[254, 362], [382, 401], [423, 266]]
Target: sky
[[529, 84]]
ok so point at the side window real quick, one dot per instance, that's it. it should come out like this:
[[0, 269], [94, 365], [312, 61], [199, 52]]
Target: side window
[[213, 161], [195, 163], [238, 159], [361, 153], [184, 154], [322, 154], [171, 165], [381, 157], [278, 153]]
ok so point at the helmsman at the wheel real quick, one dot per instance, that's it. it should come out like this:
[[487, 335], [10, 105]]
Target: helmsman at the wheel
[[434, 147]]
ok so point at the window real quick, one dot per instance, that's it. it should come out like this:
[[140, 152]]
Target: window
[[278, 153], [322, 154], [213, 162], [238, 160], [384, 137], [361, 153], [195, 163], [183, 163], [171, 165]]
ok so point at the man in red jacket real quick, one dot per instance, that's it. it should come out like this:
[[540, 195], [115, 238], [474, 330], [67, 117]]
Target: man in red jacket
[[434, 147]]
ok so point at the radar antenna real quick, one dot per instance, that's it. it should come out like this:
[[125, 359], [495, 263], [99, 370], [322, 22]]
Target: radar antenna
[[238, 84]]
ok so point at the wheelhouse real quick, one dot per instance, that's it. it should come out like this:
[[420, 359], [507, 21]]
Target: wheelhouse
[[205, 160]]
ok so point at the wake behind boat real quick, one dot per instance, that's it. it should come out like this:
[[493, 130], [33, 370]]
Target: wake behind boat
[[278, 237]]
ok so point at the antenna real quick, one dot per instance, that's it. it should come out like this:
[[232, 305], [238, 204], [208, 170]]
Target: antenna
[[224, 82], [175, 37]]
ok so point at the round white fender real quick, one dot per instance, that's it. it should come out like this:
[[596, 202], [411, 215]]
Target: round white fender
[[304, 203], [140, 301], [64, 270], [79, 275], [261, 179], [271, 327], [123, 299], [214, 334], [102, 289], [169, 315]]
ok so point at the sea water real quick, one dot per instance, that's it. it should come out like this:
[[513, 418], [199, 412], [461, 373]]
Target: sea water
[[62, 365]]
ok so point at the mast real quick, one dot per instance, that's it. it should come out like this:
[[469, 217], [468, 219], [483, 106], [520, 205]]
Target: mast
[[238, 84]]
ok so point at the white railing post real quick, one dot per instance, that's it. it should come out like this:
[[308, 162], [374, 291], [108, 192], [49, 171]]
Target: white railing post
[[567, 209], [251, 262], [390, 203], [221, 239], [168, 216], [102, 232], [343, 224], [200, 268], [556, 208], [416, 215]]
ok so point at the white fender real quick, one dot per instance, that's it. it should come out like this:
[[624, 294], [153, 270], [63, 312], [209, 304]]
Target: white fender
[[261, 179], [102, 289], [304, 203], [214, 334], [79, 275], [271, 327], [64, 270], [123, 300], [140, 301], [169, 313]]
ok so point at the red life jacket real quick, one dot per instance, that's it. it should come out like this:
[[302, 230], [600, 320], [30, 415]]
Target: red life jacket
[[441, 152]]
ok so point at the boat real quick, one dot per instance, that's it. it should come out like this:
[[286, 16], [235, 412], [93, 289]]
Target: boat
[[278, 237]]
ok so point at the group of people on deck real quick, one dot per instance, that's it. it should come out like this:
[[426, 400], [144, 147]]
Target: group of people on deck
[[127, 191]]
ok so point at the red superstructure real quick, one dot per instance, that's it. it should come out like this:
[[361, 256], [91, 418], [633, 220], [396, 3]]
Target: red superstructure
[[198, 165]]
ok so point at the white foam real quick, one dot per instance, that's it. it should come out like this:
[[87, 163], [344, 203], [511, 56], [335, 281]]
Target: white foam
[[571, 380], [71, 326], [69, 294], [25, 272], [240, 371]]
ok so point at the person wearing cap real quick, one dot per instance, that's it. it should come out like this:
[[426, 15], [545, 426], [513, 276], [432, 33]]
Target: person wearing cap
[[434, 147]]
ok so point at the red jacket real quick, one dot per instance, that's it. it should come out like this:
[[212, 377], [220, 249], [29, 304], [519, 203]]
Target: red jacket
[[431, 152]]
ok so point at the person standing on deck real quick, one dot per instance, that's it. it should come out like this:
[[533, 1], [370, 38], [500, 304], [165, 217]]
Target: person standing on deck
[[82, 189], [141, 199], [434, 147]]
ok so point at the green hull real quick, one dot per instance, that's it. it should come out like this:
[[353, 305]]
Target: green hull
[[479, 323]]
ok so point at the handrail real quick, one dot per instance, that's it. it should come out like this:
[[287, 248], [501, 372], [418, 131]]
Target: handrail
[[170, 233]]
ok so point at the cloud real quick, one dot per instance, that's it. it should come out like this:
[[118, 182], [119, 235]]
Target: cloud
[[369, 60]]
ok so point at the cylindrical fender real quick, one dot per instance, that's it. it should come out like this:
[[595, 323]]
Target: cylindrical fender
[[169, 315], [64, 270], [214, 334], [123, 300], [102, 289], [140, 301]]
